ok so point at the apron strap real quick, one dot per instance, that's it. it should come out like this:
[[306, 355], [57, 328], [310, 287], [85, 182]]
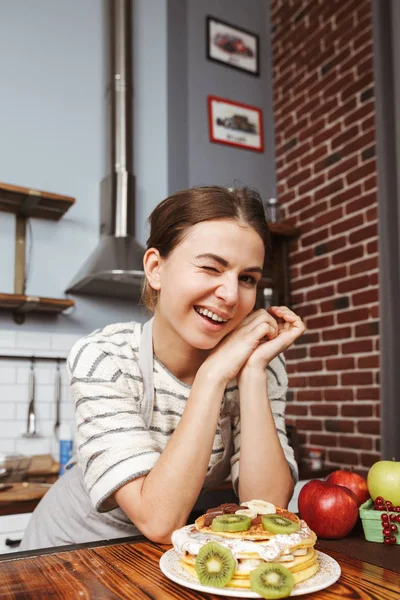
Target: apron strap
[[146, 370]]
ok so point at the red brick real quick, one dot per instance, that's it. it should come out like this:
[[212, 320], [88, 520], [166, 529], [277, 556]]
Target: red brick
[[355, 409], [358, 115], [309, 365], [371, 427], [369, 393], [351, 316], [374, 278], [297, 382], [370, 183], [367, 460], [324, 410], [332, 274], [309, 131], [315, 237], [302, 283], [329, 216], [361, 172], [358, 86], [295, 353], [342, 111], [340, 364], [355, 283], [356, 378], [342, 457], [336, 334], [364, 233], [348, 255], [347, 194], [315, 265], [367, 329], [357, 347], [339, 395], [320, 322], [361, 203], [364, 266], [344, 137], [327, 134], [341, 82], [308, 395], [368, 362], [316, 208], [347, 224], [296, 409], [307, 310], [336, 243], [320, 292], [372, 214], [325, 350], [300, 257], [299, 177], [369, 123], [309, 424], [343, 167], [339, 425], [367, 297], [312, 184], [361, 142], [358, 442], [323, 439], [284, 198], [311, 157], [323, 380], [328, 190], [374, 311], [300, 204]]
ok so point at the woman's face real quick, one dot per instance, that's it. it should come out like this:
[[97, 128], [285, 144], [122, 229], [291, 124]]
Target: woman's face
[[215, 268]]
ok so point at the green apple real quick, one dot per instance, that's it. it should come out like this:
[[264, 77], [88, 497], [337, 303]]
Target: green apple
[[384, 480]]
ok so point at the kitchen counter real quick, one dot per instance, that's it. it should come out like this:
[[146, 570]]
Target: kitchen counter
[[129, 568]]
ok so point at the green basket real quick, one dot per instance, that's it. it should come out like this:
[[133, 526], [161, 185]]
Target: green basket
[[372, 524]]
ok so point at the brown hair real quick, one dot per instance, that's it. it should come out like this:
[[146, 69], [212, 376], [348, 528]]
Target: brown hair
[[171, 219]]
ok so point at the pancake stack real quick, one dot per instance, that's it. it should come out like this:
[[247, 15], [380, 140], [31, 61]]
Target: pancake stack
[[255, 546]]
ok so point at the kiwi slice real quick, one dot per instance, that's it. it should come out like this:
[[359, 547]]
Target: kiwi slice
[[214, 565], [272, 580], [231, 523], [277, 524]]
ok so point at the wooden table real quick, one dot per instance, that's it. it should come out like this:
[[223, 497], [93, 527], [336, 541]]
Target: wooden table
[[128, 569]]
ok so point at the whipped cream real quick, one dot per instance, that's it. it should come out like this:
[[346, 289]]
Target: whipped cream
[[188, 539]]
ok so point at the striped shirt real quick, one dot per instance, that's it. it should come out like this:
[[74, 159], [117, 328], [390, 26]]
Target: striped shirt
[[114, 445]]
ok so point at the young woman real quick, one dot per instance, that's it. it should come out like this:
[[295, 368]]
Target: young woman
[[166, 410]]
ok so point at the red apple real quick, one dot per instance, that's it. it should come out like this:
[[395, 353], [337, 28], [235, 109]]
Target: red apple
[[352, 481], [330, 510]]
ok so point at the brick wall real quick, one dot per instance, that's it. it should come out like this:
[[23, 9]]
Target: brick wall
[[326, 170]]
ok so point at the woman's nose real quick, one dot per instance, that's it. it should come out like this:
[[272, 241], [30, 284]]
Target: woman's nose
[[228, 291]]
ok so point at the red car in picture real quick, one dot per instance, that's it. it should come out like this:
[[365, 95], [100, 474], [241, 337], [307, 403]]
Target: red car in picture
[[232, 44]]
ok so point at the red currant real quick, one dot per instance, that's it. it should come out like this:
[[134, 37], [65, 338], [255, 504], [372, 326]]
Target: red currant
[[379, 499], [392, 539], [385, 517], [386, 540], [393, 527], [392, 517], [398, 518], [389, 505], [397, 509], [381, 507], [386, 531]]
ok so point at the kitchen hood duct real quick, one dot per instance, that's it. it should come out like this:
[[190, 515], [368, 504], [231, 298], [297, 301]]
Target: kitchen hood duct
[[115, 267]]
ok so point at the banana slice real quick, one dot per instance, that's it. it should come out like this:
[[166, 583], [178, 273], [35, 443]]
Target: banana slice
[[261, 507], [249, 512]]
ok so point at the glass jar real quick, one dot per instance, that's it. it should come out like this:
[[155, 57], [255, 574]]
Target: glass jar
[[272, 210]]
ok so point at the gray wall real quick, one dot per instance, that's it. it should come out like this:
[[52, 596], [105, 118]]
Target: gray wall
[[52, 124]]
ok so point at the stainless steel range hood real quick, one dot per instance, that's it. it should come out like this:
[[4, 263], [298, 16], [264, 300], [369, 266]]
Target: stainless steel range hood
[[115, 267]]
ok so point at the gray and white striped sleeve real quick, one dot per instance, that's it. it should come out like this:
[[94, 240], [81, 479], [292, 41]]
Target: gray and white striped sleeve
[[114, 445]]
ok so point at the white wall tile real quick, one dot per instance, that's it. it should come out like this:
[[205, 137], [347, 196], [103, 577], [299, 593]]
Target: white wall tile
[[63, 341], [8, 374], [8, 339], [11, 429], [33, 445], [33, 340], [43, 411], [8, 412], [7, 446], [14, 393]]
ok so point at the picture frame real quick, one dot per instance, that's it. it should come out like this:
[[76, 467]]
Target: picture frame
[[232, 46], [235, 124]]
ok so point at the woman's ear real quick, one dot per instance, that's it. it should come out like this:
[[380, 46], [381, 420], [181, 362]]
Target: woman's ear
[[151, 265]]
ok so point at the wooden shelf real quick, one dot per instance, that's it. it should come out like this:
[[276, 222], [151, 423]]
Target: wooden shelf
[[20, 304], [27, 202], [283, 229]]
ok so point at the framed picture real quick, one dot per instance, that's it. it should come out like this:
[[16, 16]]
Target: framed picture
[[235, 124], [233, 46]]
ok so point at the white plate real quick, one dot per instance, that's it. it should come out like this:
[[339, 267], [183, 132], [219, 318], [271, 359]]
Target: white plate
[[328, 573]]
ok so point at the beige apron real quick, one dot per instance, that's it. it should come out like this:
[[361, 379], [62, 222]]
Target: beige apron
[[66, 515]]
